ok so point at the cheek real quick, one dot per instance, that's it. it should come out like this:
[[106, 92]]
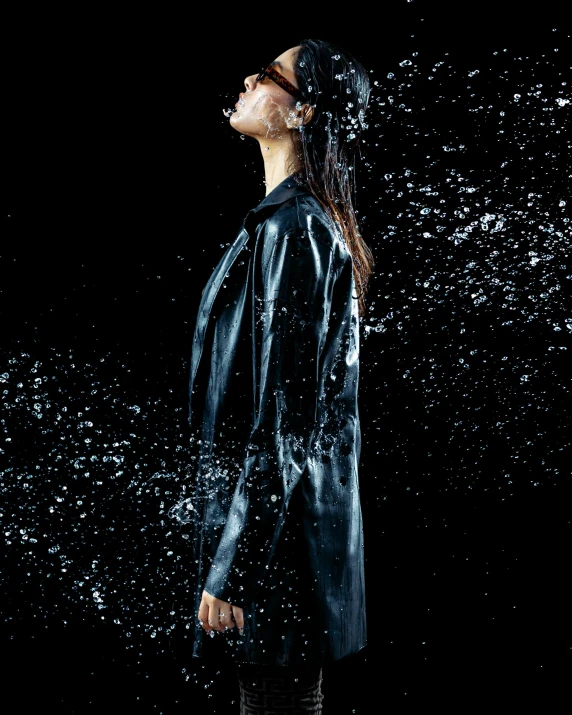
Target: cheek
[[275, 116]]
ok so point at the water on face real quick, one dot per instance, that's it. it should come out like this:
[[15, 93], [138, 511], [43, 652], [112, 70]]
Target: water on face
[[465, 362], [273, 116]]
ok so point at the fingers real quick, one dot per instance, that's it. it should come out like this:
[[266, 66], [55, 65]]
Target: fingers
[[238, 616], [203, 614], [224, 616], [217, 615]]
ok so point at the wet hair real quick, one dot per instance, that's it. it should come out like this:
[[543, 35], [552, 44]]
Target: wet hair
[[338, 88]]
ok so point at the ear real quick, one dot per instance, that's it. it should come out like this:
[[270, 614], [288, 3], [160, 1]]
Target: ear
[[300, 117]]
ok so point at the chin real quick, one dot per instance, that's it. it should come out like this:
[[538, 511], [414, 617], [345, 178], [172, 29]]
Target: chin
[[235, 123]]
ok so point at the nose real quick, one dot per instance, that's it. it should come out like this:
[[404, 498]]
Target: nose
[[250, 82]]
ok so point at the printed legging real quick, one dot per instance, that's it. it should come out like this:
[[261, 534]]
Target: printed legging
[[279, 690]]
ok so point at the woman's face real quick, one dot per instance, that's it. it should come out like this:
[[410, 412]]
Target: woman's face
[[265, 110]]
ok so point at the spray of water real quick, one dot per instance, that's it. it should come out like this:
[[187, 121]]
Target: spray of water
[[463, 182]]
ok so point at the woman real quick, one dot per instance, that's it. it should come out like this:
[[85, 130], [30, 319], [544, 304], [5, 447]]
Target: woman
[[273, 394]]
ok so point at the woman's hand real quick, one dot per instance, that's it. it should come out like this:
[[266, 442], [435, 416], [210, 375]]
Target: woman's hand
[[216, 615]]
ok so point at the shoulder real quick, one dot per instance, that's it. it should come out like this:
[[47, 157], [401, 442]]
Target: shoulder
[[305, 221]]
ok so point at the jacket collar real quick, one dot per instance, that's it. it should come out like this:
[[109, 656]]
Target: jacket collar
[[281, 193]]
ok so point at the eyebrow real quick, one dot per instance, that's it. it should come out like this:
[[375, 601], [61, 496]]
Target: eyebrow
[[276, 63]]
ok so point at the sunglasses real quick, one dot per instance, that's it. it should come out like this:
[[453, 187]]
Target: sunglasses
[[281, 81]]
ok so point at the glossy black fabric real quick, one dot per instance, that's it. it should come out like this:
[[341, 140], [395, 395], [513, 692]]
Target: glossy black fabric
[[273, 498]]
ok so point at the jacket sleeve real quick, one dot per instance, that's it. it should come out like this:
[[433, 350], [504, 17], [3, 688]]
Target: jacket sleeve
[[291, 313]]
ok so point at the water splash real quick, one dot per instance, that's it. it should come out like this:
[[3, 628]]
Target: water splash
[[465, 358]]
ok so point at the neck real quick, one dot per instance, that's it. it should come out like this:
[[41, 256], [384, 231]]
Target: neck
[[279, 162]]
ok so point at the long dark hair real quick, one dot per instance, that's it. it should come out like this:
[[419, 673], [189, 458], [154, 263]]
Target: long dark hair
[[338, 88]]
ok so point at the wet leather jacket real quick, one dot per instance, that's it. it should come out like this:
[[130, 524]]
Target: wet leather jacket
[[274, 504]]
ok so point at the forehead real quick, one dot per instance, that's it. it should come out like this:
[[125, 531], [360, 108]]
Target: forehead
[[285, 61]]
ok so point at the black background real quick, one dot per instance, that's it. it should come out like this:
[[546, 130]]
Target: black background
[[123, 184]]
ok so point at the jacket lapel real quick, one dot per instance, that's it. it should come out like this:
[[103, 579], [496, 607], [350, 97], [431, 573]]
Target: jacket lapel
[[284, 191], [210, 293]]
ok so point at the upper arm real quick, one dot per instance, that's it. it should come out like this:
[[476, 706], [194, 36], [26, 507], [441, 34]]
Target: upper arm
[[296, 272]]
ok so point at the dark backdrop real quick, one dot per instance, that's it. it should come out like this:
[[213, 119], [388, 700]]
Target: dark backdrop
[[123, 184]]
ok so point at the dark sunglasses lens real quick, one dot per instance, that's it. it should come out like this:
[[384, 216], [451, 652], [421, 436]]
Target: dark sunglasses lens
[[261, 76]]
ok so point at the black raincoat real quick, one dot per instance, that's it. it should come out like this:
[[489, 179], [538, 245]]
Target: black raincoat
[[274, 499]]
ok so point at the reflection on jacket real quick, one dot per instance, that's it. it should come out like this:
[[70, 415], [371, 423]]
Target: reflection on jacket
[[273, 396]]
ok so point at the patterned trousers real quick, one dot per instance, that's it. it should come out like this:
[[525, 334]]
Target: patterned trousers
[[279, 690]]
